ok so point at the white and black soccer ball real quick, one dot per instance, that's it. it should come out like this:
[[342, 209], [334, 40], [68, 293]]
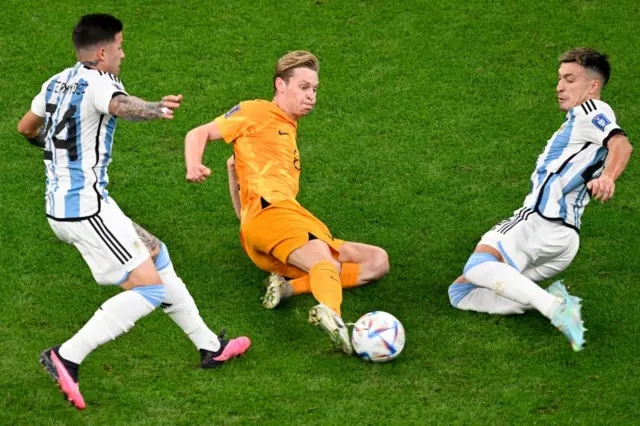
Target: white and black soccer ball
[[378, 337]]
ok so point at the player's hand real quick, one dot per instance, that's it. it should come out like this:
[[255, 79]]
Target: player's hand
[[602, 188], [198, 173], [168, 104]]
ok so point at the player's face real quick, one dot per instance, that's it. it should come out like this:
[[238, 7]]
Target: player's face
[[575, 85], [113, 55], [299, 94]]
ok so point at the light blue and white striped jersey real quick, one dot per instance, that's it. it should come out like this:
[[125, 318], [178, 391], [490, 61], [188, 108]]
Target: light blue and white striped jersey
[[574, 155], [79, 138]]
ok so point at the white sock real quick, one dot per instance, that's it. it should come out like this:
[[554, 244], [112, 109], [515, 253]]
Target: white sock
[[484, 300], [182, 309], [116, 316], [508, 282]]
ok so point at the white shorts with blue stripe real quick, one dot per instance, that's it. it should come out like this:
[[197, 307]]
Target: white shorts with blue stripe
[[538, 248], [107, 241]]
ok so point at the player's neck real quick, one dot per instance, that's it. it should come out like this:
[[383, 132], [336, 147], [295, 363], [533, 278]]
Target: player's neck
[[92, 63], [287, 113], [594, 96]]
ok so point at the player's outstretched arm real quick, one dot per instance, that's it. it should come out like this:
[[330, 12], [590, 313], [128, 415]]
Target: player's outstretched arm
[[30, 126], [234, 188], [604, 186], [132, 108], [194, 145]]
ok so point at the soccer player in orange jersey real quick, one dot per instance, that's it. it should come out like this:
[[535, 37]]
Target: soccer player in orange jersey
[[278, 234]]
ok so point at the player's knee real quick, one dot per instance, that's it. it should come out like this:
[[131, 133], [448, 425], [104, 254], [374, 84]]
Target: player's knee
[[477, 259], [154, 294], [381, 262], [143, 275]]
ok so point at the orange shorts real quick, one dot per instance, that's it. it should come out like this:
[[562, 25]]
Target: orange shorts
[[279, 229]]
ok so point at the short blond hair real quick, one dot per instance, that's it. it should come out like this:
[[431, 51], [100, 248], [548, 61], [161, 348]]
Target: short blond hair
[[292, 60]]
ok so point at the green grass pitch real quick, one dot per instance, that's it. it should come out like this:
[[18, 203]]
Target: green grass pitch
[[429, 120]]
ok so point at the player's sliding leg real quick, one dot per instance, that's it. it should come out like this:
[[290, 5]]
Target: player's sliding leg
[[359, 264], [469, 297], [144, 292], [362, 264], [324, 272], [181, 308], [485, 269]]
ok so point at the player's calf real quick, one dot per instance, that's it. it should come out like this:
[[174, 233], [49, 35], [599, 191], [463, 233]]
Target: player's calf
[[181, 308], [115, 317], [376, 268], [372, 262]]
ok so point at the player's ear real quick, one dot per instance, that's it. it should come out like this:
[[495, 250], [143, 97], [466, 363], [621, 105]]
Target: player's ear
[[280, 84], [595, 86], [100, 53]]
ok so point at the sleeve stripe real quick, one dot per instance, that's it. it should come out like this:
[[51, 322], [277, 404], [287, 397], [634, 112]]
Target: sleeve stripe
[[589, 106], [611, 134], [584, 109]]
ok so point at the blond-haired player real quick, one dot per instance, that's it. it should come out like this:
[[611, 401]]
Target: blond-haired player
[[277, 233]]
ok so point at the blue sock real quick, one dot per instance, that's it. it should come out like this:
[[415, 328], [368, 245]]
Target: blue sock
[[154, 294], [476, 259], [163, 260], [457, 292]]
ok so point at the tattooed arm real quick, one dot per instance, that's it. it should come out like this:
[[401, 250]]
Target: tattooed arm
[[132, 108], [150, 241]]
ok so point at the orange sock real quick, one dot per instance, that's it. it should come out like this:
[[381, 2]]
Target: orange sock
[[349, 275], [348, 278], [325, 285], [301, 285]]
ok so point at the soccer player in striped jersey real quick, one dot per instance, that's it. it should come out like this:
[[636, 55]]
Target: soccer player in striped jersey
[[582, 160], [75, 116]]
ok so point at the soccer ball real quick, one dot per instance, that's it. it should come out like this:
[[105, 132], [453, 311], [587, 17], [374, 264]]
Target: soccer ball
[[378, 337]]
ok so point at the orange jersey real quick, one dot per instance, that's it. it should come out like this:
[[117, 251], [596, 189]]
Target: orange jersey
[[266, 153]]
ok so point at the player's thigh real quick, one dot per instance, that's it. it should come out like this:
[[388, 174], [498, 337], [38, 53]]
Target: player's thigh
[[561, 249], [150, 241], [107, 242], [546, 270], [290, 234], [373, 260], [314, 251], [510, 240], [269, 263], [143, 275]]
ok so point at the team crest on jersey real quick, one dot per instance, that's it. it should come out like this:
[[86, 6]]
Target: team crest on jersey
[[232, 111], [600, 121]]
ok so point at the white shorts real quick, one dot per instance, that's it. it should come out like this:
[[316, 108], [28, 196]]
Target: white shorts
[[107, 241], [538, 248]]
